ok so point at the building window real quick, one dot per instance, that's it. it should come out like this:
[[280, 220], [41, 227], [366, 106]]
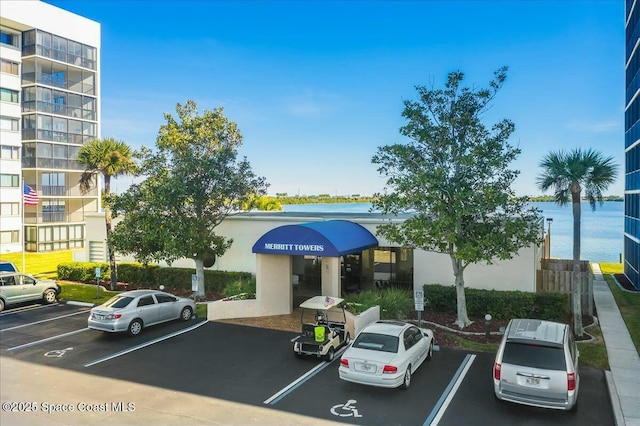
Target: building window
[[8, 123], [53, 211], [9, 67], [9, 39], [8, 237], [8, 95], [8, 152], [9, 209], [9, 181]]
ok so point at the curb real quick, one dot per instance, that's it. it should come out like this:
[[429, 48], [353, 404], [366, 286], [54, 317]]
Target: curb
[[615, 399], [73, 302]]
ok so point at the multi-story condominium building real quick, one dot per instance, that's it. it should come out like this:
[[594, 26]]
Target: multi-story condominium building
[[49, 106], [632, 145]]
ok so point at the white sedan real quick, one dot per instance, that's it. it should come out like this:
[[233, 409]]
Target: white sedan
[[386, 354]]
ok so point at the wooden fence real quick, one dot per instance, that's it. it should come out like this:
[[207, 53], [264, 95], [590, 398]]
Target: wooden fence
[[555, 275]]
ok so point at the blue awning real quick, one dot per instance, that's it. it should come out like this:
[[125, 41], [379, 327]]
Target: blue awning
[[332, 238]]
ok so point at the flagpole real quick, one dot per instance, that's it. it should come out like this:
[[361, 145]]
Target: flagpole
[[24, 271]]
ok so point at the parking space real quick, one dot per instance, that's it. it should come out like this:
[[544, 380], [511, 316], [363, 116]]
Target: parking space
[[257, 367]]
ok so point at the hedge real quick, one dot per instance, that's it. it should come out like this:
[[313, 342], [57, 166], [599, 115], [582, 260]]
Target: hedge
[[150, 276], [502, 305], [83, 271]]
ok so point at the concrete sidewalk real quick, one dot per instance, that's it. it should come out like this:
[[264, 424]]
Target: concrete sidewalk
[[624, 377]]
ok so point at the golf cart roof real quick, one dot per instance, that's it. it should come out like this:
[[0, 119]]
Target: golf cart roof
[[322, 303]]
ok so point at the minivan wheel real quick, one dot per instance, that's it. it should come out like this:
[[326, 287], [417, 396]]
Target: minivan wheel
[[1, 305], [135, 327], [49, 296]]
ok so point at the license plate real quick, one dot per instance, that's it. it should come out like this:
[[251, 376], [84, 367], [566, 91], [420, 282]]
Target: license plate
[[533, 381], [96, 316], [367, 368]]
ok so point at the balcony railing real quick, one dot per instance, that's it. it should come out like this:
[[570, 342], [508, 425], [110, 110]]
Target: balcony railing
[[58, 55], [63, 191], [52, 108], [52, 135], [57, 80], [32, 218]]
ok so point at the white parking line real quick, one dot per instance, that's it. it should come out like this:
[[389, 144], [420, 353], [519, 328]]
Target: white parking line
[[448, 394], [37, 342], [27, 308], [144, 345], [46, 320], [272, 400]]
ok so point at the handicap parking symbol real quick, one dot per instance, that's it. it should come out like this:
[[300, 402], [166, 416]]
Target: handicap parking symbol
[[346, 410], [58, 353]]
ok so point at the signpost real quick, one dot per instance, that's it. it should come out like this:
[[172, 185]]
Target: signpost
[[194, 285], [98, 283], [418, 299]]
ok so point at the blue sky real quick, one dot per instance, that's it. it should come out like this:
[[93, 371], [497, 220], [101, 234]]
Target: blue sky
[[317, 87]]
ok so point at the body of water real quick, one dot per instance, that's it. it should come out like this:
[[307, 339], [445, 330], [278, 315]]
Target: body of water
[[601, 230]]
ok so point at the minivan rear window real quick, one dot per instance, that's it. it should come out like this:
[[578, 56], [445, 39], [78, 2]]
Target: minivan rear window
[[533, 355]]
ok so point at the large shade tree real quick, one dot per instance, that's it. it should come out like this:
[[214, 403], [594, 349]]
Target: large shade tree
[[568, 173], [453, 177], [194, 179], [108, 158]]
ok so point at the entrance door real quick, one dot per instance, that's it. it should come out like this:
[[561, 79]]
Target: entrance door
[[352, 273], [307, 279]]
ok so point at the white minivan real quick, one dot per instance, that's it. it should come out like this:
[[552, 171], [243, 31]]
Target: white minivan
[[537, 364]]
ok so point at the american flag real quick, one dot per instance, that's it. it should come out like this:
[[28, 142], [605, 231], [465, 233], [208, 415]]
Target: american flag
[[30, 196]]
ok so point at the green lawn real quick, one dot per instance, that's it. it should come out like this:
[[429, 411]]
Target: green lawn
[[41, 265]]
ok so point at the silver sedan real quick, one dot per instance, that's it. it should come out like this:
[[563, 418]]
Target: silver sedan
[[386, 354], [131, 311]]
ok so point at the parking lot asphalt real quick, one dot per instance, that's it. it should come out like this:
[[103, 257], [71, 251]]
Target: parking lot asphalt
[[199, 372]]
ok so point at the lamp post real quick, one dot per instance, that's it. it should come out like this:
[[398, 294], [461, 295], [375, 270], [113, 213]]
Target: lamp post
[[549, 220]]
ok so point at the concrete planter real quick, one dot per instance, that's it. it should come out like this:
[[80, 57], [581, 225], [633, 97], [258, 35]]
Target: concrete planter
[[356, 322]]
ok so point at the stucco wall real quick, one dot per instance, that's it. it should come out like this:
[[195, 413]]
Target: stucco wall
[[429, 268]]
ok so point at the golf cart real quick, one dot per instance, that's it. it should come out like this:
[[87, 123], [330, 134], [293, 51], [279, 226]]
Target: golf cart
[[323, 328]]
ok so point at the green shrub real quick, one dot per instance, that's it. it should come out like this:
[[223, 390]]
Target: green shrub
[[394, 303], [241, 286], [502, 305], [151, 276], [83, 271], [137, 274]]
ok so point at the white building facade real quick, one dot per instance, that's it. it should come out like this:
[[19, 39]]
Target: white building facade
[[49, 107], [299, 255]]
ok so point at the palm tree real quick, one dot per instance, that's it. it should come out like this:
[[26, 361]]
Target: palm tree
[[568, 173], [110, 158]]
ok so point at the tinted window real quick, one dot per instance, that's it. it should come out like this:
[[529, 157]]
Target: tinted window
[[28, 280], [417, 334], [409, 341], [145, 301], [544, 357], [118, 301], [377, 342], [164, 298]]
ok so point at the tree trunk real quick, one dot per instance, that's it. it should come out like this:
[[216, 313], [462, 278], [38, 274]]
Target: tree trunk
[[458, 271], [111, 253], [200, 276], [576, 283]]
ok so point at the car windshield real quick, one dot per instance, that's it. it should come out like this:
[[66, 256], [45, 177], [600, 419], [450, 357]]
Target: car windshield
[[377, 342], [118, 301], [534, 355]]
